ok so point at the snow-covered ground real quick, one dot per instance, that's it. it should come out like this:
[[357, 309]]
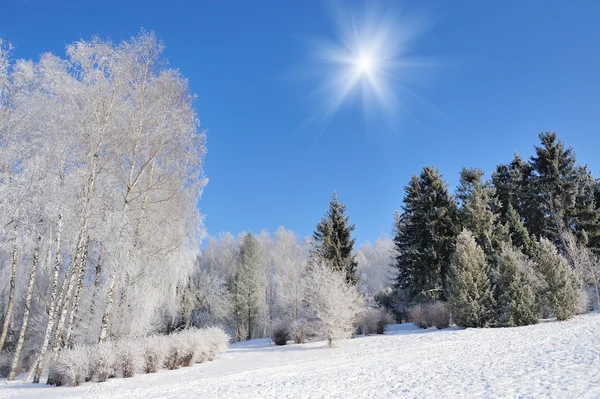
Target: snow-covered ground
[[551, 359]]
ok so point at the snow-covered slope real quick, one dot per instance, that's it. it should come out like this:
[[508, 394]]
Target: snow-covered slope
[[551, 359]]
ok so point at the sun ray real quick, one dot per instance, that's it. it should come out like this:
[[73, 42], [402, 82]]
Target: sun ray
[[368, 59]]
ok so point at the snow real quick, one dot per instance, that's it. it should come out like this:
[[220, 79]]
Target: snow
[[551, 359]]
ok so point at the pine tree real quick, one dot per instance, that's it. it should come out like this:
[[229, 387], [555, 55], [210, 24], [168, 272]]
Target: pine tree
[[511, 184], [585, 217], [516, 299], [559, 290], [478, 212], [472, 301], [248, 288], [425, 236], [519, 235], [333, 242]]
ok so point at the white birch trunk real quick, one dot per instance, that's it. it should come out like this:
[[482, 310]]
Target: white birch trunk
[[13, 278], [108, 311], [19, 348], [38, 365]]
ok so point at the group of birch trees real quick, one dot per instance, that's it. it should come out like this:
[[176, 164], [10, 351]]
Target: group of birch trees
[[100, 175]]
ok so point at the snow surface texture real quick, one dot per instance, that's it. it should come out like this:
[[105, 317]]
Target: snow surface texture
[[551, 359]]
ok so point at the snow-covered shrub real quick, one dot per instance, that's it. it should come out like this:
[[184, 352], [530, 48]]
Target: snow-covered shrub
[[417, 315], [129, 357], [5, 365], [177, 349], [299, 331], [217, 340], [104, 361], [154, 353], [72, 366], [437, 315], [280, 333], [333, 305], [374, 321], [583, 301]]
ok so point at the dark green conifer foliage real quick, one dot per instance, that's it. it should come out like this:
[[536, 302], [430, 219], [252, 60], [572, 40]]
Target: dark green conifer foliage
[[511, 184], [585, 216], [333, 242], [519, 235], [472, 300], [516, 299], [559, 288], [478, 212], [425, 236], [555, 183]]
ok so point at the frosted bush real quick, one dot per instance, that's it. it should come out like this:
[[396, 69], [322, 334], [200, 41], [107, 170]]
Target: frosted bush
[[176, 347], [417, 315], [217, 341], [104, 361], [299, 332], [154, 353], [280, 333], [129, 357], [72, 366], [374, 321], [437, 315]]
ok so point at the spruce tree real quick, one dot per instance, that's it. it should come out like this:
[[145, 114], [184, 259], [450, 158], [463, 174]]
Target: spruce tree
[[585, 216], [248, 288], [425, 236], [478, 212], [333, 242], [559, 288], [511, 184], [519, 235], [555, 184], [516, 299], [472, 300]]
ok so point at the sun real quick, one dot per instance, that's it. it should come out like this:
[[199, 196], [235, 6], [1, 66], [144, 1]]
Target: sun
[[364, 64], [370, 57]]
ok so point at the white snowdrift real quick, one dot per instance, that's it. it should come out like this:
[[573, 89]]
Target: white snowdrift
[[551, 359]]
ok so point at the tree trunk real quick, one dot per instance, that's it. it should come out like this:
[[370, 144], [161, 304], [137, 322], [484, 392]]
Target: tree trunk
[[77, 299], [13, 278], [17, 355], [63, 313], [96, 284], [39, 363], [107, 312]]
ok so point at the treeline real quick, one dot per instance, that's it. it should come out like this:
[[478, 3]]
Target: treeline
[[254, 284], [100, 174], [504, 251]]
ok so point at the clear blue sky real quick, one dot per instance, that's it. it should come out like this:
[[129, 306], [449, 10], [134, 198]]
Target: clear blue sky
[[510, 70]]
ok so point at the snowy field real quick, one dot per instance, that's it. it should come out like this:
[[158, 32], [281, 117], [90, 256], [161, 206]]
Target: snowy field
[[551, 359]]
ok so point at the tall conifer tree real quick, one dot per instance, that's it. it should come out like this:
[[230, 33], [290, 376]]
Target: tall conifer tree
[[425, 236], [333, 242]]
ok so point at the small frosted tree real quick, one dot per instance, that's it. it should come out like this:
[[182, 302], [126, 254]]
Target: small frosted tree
[[471, 300], [248, 289], [559, 290], [516, 299], [332, 304]]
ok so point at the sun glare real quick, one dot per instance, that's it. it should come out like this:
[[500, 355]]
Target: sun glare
[[364, 63], [366, 58]]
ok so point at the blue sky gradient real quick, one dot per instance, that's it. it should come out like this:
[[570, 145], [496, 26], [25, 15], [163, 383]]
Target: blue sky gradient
[[505, 71]]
